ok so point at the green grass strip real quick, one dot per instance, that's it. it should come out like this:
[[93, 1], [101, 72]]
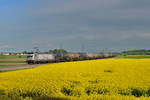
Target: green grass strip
[[2, 66], [12, 61], [11, 56], [136, 56]]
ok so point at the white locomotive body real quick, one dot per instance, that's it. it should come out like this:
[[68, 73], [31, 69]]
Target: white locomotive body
[[40, 58]]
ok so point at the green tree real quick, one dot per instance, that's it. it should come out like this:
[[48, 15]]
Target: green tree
[[58, 51], [24, 52]]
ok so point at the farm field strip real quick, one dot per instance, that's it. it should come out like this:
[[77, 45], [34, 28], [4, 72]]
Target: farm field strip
[[109, 79], [137, 56], [17, 67], [12, 63], [11, 56], [2, 66], [14, 59], [9, 61]]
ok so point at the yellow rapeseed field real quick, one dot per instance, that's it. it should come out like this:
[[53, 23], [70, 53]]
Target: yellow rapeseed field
[[107, 79]]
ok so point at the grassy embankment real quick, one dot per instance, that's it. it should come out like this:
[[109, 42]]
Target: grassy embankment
[[136, 56]]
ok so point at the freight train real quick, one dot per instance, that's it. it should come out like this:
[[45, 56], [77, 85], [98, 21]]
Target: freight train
[[64, 57]]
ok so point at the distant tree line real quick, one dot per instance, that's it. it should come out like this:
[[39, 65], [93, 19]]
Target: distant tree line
[[137, 52], [58, 51], [50, 51]]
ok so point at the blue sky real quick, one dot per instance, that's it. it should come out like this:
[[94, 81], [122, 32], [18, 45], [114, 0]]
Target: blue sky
[[96, 24]]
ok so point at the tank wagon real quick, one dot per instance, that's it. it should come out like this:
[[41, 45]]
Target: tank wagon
[[63, 57], [93, 56], [72, 56], [60, 57], [107, 55]]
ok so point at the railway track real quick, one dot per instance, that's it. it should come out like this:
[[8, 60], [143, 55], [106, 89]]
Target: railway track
[[19, 67], [28, 66]]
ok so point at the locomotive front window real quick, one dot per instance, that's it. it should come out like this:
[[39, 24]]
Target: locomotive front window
[[29, 56]]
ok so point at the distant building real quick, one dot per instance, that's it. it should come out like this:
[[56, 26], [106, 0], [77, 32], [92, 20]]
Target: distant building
[[8, 53], [12, 53], [5, 53], [21, 54]]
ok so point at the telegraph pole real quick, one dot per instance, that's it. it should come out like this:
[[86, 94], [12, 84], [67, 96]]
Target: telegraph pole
[[82, 48], [36, 49]]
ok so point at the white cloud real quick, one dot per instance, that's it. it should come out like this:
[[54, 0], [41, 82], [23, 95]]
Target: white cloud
[[51, 22]]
